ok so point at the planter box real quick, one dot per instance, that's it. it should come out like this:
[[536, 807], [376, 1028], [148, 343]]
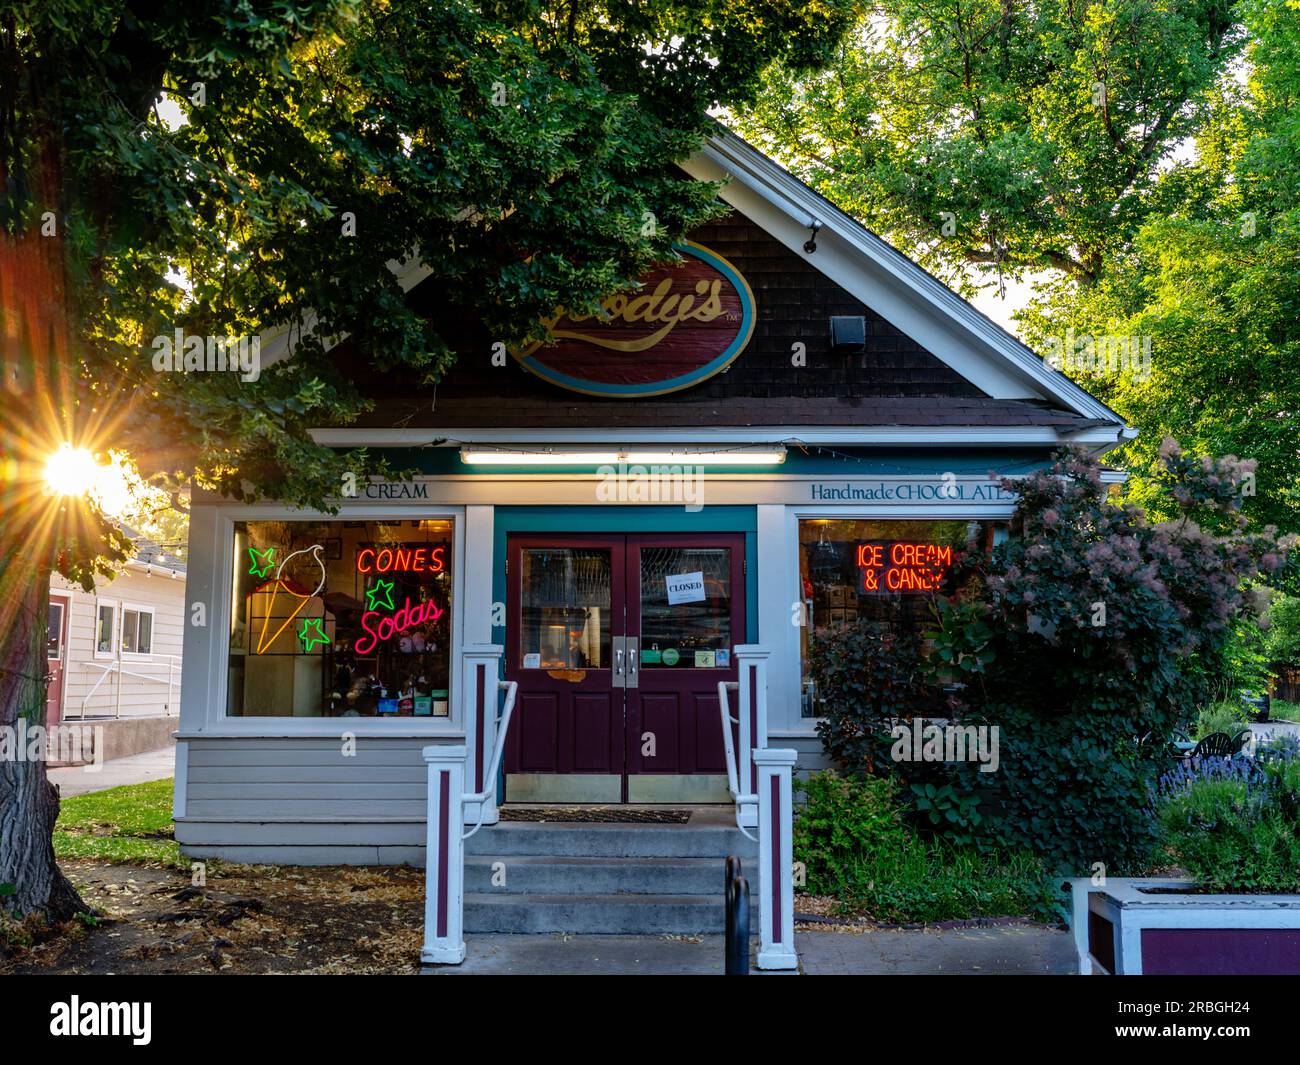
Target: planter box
[[1139, 926]]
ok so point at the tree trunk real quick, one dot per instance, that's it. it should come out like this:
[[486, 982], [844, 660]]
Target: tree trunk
[[29, 803]]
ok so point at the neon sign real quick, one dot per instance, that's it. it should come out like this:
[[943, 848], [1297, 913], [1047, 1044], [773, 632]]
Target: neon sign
[[387, 627], [310, 639], [900, 566], [407, 559]]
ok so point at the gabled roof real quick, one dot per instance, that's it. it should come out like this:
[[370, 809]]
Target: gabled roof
[[902, 292]]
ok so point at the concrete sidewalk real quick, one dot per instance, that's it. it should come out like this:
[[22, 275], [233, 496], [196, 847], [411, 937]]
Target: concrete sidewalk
[[1003, 950], [1018, 949], [134, 769]]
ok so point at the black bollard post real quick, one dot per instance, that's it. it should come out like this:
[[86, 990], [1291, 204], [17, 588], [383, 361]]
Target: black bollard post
[[729, 916], [737, 938]]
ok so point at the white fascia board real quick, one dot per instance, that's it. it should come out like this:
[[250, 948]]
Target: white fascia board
[[1104, 436], [884, 279]]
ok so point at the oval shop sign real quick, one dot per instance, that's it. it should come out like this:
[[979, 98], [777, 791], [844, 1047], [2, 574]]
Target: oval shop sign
[[686, 322]]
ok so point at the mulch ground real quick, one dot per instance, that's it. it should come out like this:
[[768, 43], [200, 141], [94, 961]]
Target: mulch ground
[[245, 919]]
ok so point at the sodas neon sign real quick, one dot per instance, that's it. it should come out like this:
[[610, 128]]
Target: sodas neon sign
[[900, 566], [378, 627]]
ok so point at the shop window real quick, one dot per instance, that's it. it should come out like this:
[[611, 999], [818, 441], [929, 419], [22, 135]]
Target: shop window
[[878, 573], [137, 631], [341, 619]]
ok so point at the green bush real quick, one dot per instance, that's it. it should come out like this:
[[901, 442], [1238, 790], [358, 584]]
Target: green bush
[[843, 820], [1088, 635], [865, 680], [1234, 824], [854, 842]]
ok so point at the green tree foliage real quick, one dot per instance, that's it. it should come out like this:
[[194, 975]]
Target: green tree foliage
[[1138, 161], [1035, 131], [308, 161]]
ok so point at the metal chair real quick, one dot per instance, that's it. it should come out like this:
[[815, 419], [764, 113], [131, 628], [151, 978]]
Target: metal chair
[[1221, 745]]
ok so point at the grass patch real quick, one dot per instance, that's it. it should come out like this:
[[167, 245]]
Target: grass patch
[[132, 823], [1280, 710], [930, 880]]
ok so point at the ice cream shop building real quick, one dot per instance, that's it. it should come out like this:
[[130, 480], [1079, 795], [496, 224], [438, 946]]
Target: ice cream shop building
[[624, 538]]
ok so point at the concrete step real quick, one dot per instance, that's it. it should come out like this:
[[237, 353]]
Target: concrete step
[[529, 874], [598, 914], [567, 839]]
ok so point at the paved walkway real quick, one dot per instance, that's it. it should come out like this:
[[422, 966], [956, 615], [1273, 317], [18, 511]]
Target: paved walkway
[[134, 769], [1001, 950]]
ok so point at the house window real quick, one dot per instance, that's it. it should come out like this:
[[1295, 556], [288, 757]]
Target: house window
[[876, 572], [137, 631], [106, 629], [341, 619]]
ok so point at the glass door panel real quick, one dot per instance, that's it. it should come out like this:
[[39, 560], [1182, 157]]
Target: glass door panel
[[686, 607], [565, 608]]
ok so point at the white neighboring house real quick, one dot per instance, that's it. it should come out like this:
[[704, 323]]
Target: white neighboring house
[[116, 652]]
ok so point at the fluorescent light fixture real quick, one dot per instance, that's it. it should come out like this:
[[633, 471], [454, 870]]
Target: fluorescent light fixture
[[714, 458], [742, 457], [537, 458]]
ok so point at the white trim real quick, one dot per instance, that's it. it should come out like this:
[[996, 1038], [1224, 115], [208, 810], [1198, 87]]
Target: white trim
[[116, 604], [139, 608], [65, 637], [893, 435], [883, 278], [215, 723]]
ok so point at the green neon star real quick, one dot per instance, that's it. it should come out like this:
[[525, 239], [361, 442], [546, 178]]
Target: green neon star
[[380, 595], [258, 569], [309, 639]]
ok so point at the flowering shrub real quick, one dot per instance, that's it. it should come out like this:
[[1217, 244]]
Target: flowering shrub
[[1088, 636], [1234, 823]]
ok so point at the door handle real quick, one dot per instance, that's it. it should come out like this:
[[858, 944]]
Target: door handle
[[632, 655], [618, 680]]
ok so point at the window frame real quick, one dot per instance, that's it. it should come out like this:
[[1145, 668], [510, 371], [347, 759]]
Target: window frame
[[115, 639], [791, 682], [219, 722], [139, 608]]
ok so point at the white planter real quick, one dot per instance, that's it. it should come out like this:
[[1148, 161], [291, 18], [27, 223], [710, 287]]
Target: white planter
[[1136, 926]]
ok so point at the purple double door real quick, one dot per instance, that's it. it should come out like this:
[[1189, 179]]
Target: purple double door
[[618, 643]]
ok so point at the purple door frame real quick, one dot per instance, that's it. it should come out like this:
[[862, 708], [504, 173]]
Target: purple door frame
[[577, 721]]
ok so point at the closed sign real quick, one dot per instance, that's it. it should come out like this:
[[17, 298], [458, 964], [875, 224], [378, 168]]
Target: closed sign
[[685, 588]]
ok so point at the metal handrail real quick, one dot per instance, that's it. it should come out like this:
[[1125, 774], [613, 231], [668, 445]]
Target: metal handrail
[[114, 665], [733, 766], [511, 688]]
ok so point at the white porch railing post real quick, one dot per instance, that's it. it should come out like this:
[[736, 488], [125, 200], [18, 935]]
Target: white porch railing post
[[775, 859], [444, 891], [481, 665], [751, 673]]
